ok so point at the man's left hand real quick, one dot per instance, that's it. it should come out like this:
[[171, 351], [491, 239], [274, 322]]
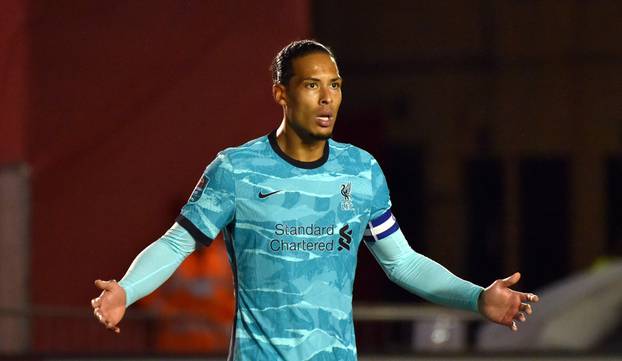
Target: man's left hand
[[502, 305]]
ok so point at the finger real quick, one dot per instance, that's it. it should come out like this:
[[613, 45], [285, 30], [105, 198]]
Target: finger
[[509, 281], [529, 297], [525, 307], [96, 302], [98, 315], [111, 327], [102, 318], [514, 326], [520, 316], [104, 285]]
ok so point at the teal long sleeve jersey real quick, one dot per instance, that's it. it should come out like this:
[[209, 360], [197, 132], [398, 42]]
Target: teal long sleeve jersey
[[292, 231]]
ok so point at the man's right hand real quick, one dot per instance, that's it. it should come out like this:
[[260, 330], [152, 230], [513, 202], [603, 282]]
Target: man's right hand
[[109, 307]]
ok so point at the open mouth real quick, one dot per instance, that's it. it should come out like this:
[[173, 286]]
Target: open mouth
[[324, 119]]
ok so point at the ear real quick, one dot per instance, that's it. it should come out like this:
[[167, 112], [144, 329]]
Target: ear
[[279, 94]]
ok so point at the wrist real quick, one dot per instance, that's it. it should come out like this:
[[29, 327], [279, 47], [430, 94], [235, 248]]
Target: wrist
[[479, 303], [127, 294]]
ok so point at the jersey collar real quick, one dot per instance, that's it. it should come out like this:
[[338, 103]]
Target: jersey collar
[[295, 162]]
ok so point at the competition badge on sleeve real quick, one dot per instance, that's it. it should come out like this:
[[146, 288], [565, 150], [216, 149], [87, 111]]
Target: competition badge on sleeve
[[198, 189]]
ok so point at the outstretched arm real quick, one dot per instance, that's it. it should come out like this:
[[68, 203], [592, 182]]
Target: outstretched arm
[[430, 280], [421, 275], [154, 265]]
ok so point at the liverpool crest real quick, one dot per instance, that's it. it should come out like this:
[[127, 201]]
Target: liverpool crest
[[346, 193]]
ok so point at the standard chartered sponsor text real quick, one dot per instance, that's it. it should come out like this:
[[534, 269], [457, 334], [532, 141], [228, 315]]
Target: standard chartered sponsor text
[[278, 245], [297, 244], [281, 229]]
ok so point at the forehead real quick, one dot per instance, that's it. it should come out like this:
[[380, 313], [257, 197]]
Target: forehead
[[315, 65]]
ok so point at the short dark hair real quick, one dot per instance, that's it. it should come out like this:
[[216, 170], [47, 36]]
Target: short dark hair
[[281, 66]]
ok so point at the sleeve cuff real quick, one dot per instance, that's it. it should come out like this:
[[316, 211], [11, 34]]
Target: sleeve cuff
[[194, 231], [129, 294], [476, 298]]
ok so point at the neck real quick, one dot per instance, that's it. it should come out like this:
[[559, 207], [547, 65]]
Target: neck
[[296, 147]]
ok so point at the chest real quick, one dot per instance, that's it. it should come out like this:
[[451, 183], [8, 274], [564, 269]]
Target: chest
[[305, 226], [303, 198]]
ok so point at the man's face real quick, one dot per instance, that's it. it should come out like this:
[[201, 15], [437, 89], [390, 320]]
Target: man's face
[[312, 97]]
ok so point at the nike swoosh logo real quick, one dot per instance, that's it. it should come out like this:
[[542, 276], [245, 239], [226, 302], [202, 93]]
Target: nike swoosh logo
[[265, 195]]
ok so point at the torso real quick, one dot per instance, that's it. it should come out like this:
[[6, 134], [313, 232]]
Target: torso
[[293, 245]]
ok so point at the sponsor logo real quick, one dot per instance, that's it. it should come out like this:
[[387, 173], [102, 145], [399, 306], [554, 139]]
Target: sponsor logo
[[280, 245], [346, 193], [322, 245], [345, 238], [199, 188], [309, 230], [266, 195]]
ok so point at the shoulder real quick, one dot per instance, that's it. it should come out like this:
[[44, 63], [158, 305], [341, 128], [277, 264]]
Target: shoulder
[[342, 151], [245, 152]]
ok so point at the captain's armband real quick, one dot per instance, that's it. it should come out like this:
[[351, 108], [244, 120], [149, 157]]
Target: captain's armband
[[381, 227]]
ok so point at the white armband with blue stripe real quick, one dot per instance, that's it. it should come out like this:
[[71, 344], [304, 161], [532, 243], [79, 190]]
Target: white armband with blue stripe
[[381, 227]]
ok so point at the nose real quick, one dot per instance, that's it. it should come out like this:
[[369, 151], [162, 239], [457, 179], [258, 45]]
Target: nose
[[325, 96]]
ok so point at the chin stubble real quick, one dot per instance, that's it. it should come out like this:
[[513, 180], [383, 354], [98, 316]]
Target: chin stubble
[[322, 136], [309, 135]]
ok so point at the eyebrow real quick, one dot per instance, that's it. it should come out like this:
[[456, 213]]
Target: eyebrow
[[316, 79]]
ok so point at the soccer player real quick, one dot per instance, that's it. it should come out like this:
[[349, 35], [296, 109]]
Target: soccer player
[[294, 207]]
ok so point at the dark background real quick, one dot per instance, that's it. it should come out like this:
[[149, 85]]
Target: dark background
[[498, 125]]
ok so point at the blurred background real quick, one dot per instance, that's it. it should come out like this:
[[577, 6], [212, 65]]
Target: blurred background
[[498, 124]]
